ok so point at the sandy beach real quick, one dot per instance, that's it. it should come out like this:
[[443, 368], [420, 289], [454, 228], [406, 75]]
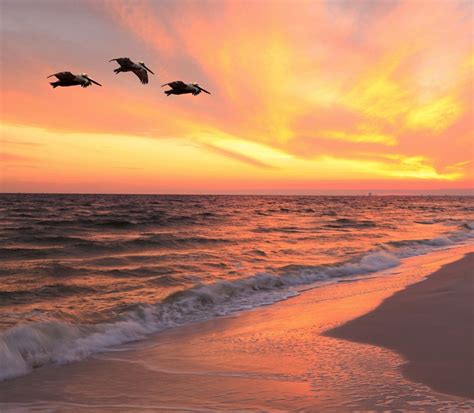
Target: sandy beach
[[431, 324], [356, 345]]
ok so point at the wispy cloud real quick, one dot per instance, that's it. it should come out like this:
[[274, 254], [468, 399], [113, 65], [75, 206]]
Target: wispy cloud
[[12, 157], [237, 156]]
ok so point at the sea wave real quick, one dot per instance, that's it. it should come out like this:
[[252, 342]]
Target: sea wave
[[407, 248], [30, 345], [351, 223], [56, 247], [46, 291]]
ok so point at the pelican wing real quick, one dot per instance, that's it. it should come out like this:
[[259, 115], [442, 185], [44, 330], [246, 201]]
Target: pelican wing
[[123, 61], [177, 84], [204, 90], [64, 76], [142, 75]]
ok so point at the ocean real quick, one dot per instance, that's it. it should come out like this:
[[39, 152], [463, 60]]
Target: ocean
[[80, 274]]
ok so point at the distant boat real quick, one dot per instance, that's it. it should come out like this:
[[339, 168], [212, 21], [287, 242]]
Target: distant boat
[[370, 193]]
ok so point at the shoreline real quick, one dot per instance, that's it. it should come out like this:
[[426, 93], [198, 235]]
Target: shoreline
[[274, 358], [431, 324]]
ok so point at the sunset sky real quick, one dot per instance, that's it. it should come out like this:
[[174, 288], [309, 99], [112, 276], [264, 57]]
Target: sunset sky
[[336, 96]]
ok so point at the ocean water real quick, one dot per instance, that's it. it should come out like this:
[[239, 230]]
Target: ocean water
[[81, 274]]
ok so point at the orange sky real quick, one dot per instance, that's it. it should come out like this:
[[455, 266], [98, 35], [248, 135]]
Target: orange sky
[[336, 96]]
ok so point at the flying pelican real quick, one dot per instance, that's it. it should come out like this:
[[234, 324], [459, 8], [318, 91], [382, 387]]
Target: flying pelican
[[68, 79], [178, 87], [126, 65]]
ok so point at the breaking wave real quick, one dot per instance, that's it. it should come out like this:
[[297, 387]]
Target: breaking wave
[[30, 345]]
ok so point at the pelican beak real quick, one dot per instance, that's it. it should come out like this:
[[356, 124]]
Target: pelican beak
[[204, 90], [93, 81], [145, 66]]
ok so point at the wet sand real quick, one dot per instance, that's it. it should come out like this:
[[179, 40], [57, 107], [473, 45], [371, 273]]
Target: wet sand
[[276, 358], [431, 324]]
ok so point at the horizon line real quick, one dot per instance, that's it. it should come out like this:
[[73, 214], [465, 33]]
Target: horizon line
[[365, 193]]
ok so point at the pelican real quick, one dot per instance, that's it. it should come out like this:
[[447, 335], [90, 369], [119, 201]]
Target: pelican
[[68, 79], [178, 87], [126, 65]]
